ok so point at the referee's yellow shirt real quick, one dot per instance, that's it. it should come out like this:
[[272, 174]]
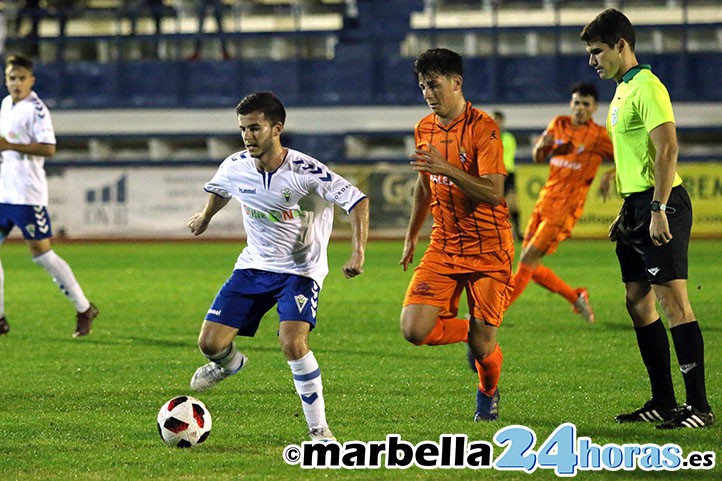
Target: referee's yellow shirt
[[509, 143], [640, 104]]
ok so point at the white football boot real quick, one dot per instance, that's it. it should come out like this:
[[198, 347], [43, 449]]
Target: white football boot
[[321, 434], [211, 374]]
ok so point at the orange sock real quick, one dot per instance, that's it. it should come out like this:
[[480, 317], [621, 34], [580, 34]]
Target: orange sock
[[448, 330], [489, 371], [521, 279], [547, 278]]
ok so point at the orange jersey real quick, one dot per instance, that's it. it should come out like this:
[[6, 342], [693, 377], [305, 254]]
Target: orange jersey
[[575, 159], [472, 143]]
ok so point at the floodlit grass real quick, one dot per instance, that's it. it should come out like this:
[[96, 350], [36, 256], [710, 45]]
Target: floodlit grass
[[84, 409]]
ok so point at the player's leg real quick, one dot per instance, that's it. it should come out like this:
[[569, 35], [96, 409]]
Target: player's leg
[[297, 305], [425, 325], [531, 256], [488, 359], [489, 299], [649, 330], [530, 259], [670, 287], [216, 343], [34, 222], [6, 225], [307, 378], [4, 326], [236, 310], [653, 347], [429, 313], [689, 347], [64, 278]]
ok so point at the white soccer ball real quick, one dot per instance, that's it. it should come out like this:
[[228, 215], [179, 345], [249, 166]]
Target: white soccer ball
[[184, 421]]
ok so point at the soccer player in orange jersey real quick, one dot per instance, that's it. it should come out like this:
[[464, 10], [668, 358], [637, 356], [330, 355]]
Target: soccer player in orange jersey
[[461, 181], [575, 147]]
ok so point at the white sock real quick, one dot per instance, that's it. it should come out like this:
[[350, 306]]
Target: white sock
[[307, 378], [230, 359], [63, 277]]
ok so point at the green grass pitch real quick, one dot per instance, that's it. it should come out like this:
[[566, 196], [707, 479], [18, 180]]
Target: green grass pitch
[[84, 409]]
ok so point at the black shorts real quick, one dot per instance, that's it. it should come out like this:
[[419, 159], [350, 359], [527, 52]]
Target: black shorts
[[639, 258], [509, 183]]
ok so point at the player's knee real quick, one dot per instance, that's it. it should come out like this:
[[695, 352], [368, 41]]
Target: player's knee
[[210, 347], [294, 347], [413, 332], [414, 337]]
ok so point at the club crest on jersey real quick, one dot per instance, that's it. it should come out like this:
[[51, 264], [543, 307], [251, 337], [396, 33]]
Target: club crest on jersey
[[300, 301], [462, 156], [287, 194], [580, 149], [615, 115]]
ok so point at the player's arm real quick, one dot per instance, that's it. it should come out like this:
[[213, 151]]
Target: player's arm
[[359, 235], [488, 188], [542, 148], [33, 148], [605, 183], [198, 222], [419, 213], [664, 139]]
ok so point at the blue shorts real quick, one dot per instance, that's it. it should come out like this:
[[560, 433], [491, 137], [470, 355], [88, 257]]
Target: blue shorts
[[250, 293], [33, 221]]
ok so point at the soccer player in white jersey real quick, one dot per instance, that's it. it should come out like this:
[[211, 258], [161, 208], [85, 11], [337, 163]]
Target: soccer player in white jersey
[[27, 137], [287, 202]]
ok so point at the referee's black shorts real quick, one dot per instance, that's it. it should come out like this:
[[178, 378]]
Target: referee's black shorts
[[509, 183], [639, 258]]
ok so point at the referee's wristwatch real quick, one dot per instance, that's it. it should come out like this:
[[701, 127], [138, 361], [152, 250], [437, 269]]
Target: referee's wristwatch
[[657, 206]]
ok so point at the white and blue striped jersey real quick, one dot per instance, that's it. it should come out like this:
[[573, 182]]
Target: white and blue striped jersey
[[287, 214], [22, 176]]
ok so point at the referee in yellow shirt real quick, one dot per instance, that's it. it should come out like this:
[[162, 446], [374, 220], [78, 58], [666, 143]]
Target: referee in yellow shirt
[[653, 227], [508, 142]]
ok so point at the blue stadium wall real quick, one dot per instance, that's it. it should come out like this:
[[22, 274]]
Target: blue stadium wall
[[357, 76]]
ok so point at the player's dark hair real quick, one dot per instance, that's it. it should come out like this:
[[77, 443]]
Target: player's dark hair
[[439, 61], [498, 114], [18, 60], [608, 27], [586, 89], [265, 103]]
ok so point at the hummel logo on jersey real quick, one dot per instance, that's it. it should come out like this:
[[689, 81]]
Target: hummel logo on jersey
[[654, 270], [246, 191], [685, 368], [300, 301]]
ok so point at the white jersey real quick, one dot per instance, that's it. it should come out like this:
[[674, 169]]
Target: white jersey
[[288, 213], [22, 176]]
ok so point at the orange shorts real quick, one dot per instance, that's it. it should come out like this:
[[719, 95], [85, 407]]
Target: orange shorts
[[440, 278], [546, 233]]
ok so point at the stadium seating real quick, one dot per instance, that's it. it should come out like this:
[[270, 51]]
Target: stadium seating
[[316, 53]]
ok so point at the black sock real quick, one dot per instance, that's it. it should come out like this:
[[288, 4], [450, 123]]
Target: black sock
[[515, 224], [654, 347], [689, 345]]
